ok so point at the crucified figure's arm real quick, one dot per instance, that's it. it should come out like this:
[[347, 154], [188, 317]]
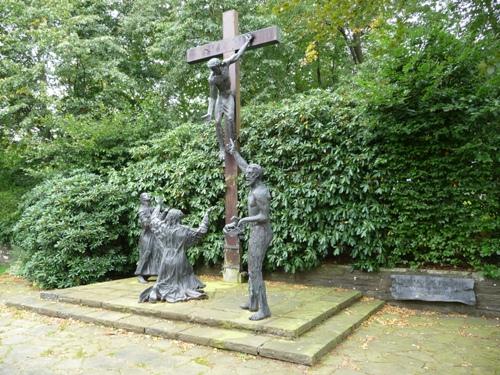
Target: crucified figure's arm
[[241, 51], [211, 100]]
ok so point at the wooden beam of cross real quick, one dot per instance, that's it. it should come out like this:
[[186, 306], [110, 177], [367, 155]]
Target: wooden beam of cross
[[230, 43]]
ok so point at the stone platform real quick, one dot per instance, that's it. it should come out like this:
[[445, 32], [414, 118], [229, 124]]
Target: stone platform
[[306, 323]]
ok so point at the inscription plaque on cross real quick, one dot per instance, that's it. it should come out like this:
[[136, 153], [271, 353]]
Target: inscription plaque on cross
[[226, 47]]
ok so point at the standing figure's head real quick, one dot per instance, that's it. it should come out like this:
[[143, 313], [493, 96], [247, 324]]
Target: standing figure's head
[[253, 173], [174, 217], [145, 198], [214, 65]]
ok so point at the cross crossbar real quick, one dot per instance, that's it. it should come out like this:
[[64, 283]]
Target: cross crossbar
[[262, 37]]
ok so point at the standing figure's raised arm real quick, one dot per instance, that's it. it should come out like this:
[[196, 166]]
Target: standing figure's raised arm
[[231, 149]]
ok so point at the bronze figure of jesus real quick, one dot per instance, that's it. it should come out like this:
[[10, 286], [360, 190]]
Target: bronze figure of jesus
[[221, 99]]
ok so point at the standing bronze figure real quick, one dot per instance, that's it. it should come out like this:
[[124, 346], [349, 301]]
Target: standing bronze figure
[[149, 254], [261, 234], [221, 98]]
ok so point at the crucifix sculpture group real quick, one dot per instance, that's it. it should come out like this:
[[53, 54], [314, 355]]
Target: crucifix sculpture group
[[163, 232], [225, 78], [224, 101]]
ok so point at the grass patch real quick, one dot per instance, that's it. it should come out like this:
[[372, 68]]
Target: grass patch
[[3, 268], [7, 352], [63, 326], [80, 353], [47, 353], [202, 361]]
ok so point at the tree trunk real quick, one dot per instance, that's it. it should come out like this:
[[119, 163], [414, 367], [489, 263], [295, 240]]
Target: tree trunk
[[354, 45], [333, 72], [357, 46], [318, 71]]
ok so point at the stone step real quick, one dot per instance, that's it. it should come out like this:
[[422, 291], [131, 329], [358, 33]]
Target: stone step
[[306, 350], [313, 345], [295, 311]]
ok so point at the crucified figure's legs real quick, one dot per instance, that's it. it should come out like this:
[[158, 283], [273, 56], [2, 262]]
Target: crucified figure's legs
[[218, 128], [225, 107], [229, 114]]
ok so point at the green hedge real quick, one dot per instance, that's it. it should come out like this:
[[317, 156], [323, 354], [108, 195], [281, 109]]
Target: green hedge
[[323, 178], [338, 187], [434, 115], [72, 231]]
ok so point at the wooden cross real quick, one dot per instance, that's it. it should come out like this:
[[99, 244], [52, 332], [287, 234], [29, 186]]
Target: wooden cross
[[231, 42]]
